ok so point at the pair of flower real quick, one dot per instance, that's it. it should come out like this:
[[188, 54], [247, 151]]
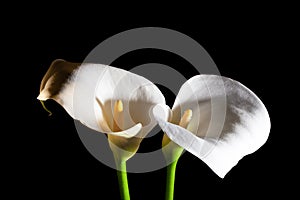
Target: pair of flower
[[215, 118]]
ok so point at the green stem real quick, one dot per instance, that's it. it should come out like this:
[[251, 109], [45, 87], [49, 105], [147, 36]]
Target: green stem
[[123, 182], [171, 169]]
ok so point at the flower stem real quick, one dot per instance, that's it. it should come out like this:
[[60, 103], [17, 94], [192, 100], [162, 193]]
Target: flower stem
[[171, 169], [123, 182]]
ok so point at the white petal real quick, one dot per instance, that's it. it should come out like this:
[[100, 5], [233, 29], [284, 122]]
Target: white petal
[[130, 132], [229, 121], [162, 112], [138, 95], [195, 145], [90, 90]]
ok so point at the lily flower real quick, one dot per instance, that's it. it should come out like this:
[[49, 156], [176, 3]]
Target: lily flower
[[218, 120], [107, 99]]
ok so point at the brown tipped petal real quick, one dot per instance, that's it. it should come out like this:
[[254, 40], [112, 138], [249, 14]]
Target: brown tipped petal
[[88, 93], [57, 84]]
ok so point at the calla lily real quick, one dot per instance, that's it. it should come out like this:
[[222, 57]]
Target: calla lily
[[121, 100], [108, 100], [224, 121]]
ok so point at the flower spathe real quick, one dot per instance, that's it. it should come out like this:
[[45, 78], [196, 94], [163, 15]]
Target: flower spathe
[[228, 122], [89, 93]]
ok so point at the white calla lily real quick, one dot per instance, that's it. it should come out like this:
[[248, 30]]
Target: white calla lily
[[228, 121], [106, 99]]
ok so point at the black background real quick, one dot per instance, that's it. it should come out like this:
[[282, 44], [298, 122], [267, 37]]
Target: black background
[[51, 160]]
